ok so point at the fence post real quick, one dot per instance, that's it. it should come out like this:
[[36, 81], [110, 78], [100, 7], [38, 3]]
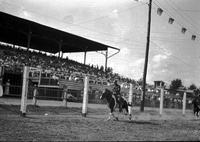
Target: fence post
[[184, 103], [35, 95], [161, 100], [7, 87], [1, 88], [24, 91], [65, 95], [130, 101], [85, 96]]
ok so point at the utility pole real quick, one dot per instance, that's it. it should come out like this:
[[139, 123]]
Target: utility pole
[[146, 58]]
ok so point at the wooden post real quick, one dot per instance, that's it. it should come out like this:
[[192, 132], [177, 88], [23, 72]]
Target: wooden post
[[60, 48], [65, 96], [130, 101], [7, 88], [85, 96], [146, 57], [1, 88], [106, 60], [24, 91], [85, 53], [35, 95], [28, 45], [161, 100], [184, 103]]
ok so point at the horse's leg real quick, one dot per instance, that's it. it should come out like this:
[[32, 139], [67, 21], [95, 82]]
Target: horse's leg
[[116, 118], [198, 110], [109, 117], [112, 112], [194, 111], [126, 108], [120, 104]]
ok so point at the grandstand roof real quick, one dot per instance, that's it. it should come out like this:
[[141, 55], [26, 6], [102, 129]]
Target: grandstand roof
[[15, 30]]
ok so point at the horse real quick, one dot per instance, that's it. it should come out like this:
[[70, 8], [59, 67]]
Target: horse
[[196, 106], [112, 103]]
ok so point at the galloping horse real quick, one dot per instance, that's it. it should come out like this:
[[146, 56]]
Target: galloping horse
[[112, 103]]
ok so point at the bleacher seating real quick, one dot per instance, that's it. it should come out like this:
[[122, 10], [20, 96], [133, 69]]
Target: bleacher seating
[[13, 59]]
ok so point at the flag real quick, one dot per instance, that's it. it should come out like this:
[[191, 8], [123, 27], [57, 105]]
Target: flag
[[183, 30], [171, 20], [159, 11], [193, 37]]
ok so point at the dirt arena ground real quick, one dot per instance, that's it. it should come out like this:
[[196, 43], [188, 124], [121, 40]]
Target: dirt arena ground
[[53, 122]]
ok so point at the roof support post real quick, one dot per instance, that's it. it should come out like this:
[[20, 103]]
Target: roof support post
[[60, 48], [29, 40], [59, 54], [106, 60], [62, 55], [28, 44], [85, 53], [107, 57]]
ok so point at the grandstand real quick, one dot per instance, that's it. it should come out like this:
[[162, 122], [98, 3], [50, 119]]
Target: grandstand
[[56, 72], [20, 35]]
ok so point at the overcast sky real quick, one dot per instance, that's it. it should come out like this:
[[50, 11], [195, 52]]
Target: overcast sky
[[123, 24]]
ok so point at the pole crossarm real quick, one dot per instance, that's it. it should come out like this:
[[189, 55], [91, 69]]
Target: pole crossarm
[[101, 53], [106, 55], [118, 50]]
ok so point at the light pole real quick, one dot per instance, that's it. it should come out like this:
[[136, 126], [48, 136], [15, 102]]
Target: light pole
[[146, 58]]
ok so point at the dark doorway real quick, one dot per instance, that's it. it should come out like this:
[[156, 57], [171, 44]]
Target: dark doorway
[[15, 80]]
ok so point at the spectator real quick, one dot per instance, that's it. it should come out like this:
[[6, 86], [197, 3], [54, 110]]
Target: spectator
[[15, 58]]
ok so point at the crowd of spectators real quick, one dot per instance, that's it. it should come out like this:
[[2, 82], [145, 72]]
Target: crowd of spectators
[[14, 58]]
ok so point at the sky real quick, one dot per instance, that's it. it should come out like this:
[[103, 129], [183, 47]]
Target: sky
[[123, 24]]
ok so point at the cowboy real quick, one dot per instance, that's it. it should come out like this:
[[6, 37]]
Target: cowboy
[[116, 92]]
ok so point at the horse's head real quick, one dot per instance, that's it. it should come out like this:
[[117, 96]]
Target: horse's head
[[105, 93]]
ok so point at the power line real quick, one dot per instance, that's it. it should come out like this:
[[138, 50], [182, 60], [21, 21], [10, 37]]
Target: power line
[[170, 38], [89, 29], [101, 17], [188, 10], [157, 6], [174, 42], [185, 18], [167, 12], [185, 63], [129, 43]]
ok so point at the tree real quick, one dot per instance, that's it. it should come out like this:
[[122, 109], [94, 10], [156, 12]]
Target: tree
[[109, 70], [175, 84], [101, 68], [140, 81], [192, 87]]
